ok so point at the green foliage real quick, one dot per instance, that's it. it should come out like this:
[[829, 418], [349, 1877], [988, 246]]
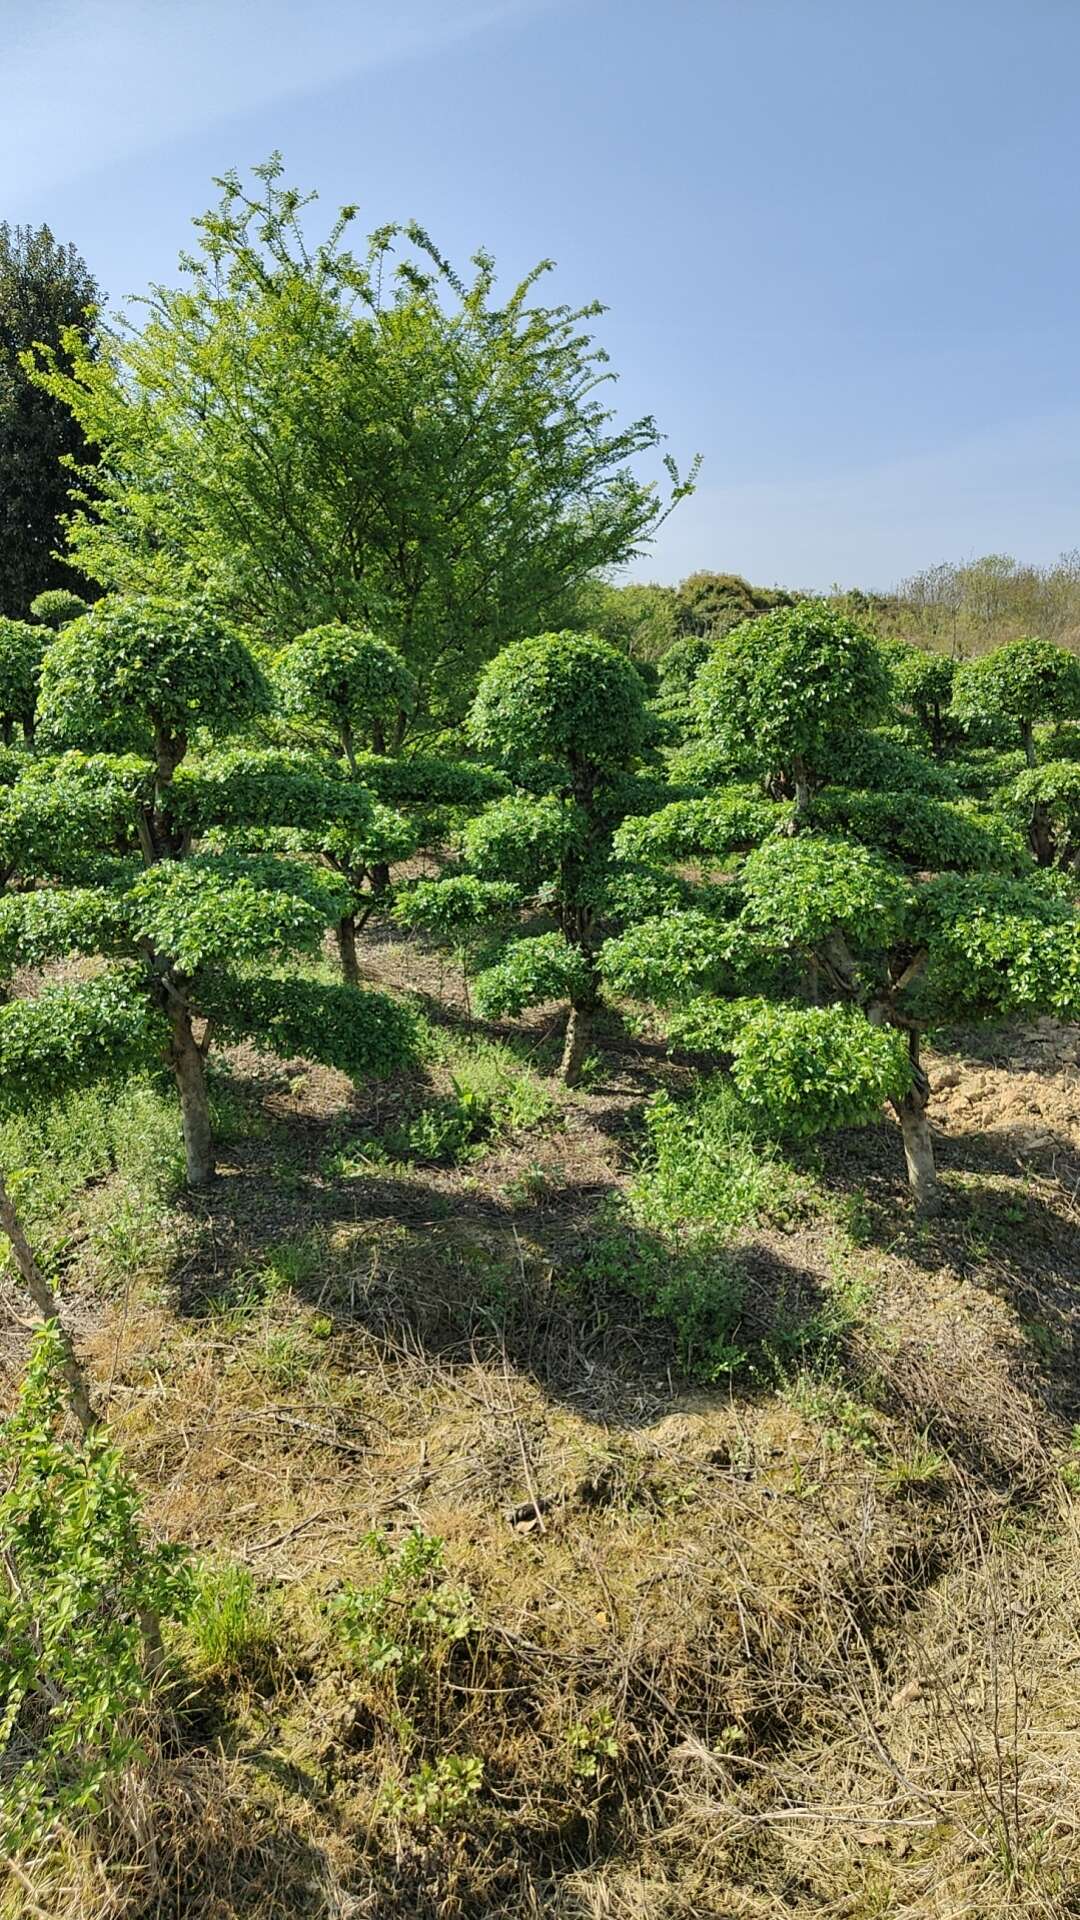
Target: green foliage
[[921, 831], [56, 607], [67, 1036], [403, 1624], [249, 787], [415, 452], [452, 908], [638, 618], [1050, 795], [805, 1070], [346, 677], [230, 1629], [709, 604], [924, 687], [593, 1744], [232, 911], [797, 891], [564, 697], [785, 692], [545, 967], [361, 1033], [1018, 684], [1001, 947], [440, 1793], [80, 1579], [705, 1165], [693, 1286], [523, 840], [673, 959], [21, 649], [491, 1097], [132, 669], [45, 289], [65, 823], [731, 821]]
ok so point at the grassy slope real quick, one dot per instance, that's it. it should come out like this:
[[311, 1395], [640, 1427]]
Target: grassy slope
[[793, 1644]]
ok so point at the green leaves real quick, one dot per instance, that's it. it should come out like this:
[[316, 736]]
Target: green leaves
[[1001, 947], [68, 1036], [232, 911], [1018, 684], [21, 650], [361, 1033], [799, 891], [346, 677], [804, 1070], [674, 958], [130, 669], [789, 689], [565, 697], [524, 840], [81, 1581], [545, 967]]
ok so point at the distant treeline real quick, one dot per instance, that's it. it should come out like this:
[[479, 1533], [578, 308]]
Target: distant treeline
[[960, 608]]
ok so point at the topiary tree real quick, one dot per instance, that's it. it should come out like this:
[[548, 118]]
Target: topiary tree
[[924, 688], [56, 607], [351, 682], [1045, 803], [781, 697], [1020, 684], [21, 649], [565, 713], [195, 932], [828, 952]]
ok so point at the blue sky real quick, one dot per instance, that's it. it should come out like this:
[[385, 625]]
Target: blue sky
[[837, 238]]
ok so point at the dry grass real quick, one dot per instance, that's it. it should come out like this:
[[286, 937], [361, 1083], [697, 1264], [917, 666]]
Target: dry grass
[[823, 1616]]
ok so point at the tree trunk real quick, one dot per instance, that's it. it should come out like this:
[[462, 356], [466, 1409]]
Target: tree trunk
[[189, 1071], [802, 796], [380, 878], [48, 1306], [1041, 836], [346, 939], [918, 1142], [919, 1153], [578, 1029], [1028, 739], [348, 747]]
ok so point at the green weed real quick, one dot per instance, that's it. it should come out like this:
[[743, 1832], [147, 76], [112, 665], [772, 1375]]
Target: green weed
[[230, 1629], [706, 1165]]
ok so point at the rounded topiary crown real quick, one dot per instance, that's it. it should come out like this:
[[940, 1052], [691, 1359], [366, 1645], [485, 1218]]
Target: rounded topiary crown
[[569, 697], [132, 666], [792, 686], [343, 674]]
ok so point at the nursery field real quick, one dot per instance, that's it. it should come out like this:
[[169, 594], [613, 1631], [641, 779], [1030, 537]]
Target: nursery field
[[539, 1147], [797, 1640]]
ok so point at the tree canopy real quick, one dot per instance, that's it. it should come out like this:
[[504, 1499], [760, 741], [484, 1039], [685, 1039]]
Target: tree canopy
[[371, 439], [47, 295]]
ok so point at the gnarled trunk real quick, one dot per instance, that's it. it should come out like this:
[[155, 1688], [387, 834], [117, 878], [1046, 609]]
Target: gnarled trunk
[[1041, 837], [345, 934], [918, 1141], [576, 1044], [189, 1072]]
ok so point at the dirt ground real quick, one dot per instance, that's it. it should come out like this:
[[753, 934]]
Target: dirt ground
[[801, 1642]]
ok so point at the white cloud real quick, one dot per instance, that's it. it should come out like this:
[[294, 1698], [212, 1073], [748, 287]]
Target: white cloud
[[90, 82]]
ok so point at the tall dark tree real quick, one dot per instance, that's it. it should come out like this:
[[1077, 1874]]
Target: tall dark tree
[[45, 287]]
